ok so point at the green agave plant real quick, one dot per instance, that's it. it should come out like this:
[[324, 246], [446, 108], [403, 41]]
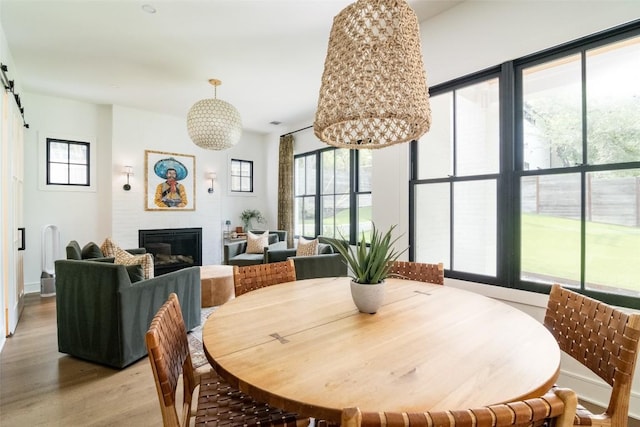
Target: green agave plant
[[370, 266]]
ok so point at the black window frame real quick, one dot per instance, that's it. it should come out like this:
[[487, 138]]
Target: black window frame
[[511, 166], [68, 163], [231, 175], [354, 190]]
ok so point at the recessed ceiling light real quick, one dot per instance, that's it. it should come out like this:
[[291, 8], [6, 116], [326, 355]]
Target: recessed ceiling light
[[148, 8], [275, 123]]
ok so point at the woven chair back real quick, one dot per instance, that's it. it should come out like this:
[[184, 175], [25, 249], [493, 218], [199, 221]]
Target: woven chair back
[[556, 408], [218, 403], [422, 272], [252, 277], [169, 355], [600, 337]]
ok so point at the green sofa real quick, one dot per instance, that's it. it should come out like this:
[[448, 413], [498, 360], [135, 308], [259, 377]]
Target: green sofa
[[327, 263], [103, 317]]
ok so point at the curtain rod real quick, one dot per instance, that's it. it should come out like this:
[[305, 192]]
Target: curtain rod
[[296, 131]]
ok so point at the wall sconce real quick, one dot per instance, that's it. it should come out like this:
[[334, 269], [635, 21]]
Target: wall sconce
[[128, 170], [212, 176]]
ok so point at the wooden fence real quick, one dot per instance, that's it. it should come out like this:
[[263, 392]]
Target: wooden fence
[[608, 200]]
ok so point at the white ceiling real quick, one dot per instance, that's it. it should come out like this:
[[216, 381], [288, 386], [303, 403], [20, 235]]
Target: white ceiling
[[269, 54]]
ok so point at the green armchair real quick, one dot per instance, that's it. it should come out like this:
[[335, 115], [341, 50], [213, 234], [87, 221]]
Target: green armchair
[[103, 317], [235, 253]]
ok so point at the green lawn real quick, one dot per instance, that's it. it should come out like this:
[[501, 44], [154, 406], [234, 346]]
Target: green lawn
[[551, 247]]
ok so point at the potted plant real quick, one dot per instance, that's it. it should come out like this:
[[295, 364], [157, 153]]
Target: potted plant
[[248, 214], [369, 266]]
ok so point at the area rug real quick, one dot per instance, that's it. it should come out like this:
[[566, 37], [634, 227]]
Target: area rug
[[198, 357]]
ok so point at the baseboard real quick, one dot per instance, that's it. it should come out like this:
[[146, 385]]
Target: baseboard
[[3, 340], [32, 288]]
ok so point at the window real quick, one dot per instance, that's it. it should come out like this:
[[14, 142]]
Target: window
[[530, 174], [333, 193], [67, 162], [458, 166], [241, 176], [580, 170]]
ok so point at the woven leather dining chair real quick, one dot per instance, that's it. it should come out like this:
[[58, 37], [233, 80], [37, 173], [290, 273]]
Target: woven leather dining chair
[[251, 277], [556, 408], [217, 402], [603, 339], [422, 272]]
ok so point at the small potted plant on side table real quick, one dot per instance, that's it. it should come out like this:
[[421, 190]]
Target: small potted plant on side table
[[249, 214]]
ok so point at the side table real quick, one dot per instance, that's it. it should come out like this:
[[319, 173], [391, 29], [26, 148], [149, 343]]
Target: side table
[[216, 283]]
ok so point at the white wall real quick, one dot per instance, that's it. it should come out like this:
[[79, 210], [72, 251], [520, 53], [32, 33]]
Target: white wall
[[121, 135], [79, 215], [479, 34]]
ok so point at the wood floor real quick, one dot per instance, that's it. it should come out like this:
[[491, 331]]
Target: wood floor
[[40, 386]]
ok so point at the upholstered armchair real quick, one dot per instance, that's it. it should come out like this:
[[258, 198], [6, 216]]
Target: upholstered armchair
[[104, 309], [235, 253]]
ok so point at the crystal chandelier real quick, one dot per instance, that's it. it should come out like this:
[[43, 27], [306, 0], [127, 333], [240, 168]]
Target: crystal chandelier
[[374, 88], [214, 124]]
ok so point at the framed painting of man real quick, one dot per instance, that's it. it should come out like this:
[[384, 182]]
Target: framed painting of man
[[169, 181]]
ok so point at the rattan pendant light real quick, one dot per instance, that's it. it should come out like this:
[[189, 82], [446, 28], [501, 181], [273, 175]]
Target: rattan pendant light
[[214, 124], [374, 87]]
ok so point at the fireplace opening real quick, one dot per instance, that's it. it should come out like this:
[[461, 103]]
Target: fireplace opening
[[172, 248]]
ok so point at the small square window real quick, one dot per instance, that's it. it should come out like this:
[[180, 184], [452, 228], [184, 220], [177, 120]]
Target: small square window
[[241, 176], [67, 162]]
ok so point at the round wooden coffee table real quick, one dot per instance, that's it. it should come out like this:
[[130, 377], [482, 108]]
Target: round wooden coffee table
[[216, 283]]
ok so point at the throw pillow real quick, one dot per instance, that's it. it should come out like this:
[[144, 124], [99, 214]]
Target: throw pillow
[[307, 247], [108, 248], [145, 260], [325, 248], [91, 250], [257, 242], [73, 250], [136, 273]]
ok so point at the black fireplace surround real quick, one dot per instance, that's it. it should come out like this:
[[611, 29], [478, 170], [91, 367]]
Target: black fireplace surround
[[172, 248]]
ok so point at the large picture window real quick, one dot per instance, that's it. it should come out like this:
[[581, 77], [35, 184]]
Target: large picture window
[[333, 193], [530, 174]]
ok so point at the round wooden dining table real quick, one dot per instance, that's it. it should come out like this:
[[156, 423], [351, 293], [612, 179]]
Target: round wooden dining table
[[303, 347]]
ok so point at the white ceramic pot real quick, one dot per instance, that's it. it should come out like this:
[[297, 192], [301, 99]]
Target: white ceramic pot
[[368, 298]]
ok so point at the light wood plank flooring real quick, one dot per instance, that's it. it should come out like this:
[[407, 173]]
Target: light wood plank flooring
[[40, 386]]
